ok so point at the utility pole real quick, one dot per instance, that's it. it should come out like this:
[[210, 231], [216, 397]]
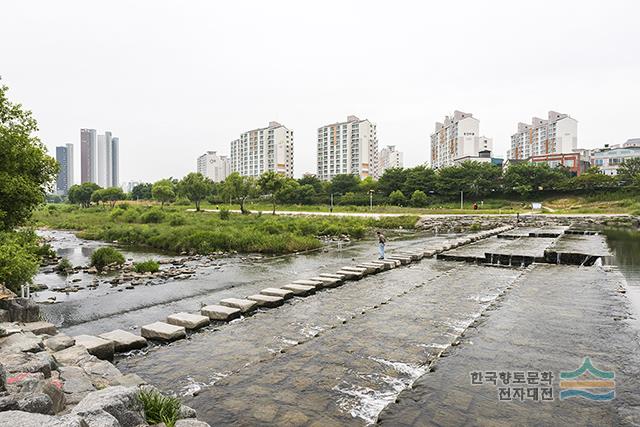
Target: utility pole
[[370, 200], [461, 200], [331, 208]]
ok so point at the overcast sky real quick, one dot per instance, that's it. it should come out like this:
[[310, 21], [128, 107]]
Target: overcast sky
[[173, 79]]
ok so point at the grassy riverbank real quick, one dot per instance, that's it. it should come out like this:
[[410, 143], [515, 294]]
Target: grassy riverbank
[[176, 230]]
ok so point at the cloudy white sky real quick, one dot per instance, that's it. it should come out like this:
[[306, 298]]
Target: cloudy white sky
[[173, 79]]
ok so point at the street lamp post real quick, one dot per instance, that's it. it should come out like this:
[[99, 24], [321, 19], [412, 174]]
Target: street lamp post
[[461, 200], [370, 200], [331, 207]]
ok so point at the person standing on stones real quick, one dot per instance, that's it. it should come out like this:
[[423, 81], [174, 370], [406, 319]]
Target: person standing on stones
[[381, 241]]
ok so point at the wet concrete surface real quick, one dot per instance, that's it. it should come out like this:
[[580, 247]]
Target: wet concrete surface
[[577, 249], [553, 318]]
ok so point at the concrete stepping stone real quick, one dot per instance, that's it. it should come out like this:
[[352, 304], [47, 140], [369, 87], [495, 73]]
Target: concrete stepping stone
[[376, 267], [333, 276], [268, 301], [40, 328], [350, 275], [315, 283], [161, 331], [328, 282], [189, 321], [404, 260], [220, 312], [96, 346], [385, 264], [59, 342], [415, 256], [300, 290], [277, 292], [124, 340], [361, 270], [245, 305]]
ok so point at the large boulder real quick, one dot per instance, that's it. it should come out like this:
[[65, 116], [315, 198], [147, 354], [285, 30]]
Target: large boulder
[[73, 356], [102, 373], [21, 309], [59, 342], [111, 406], [190, 422], [40, 328], [25, 342], [99, 347], [38, 403], [26, 419], [28, 362], [124, 340]]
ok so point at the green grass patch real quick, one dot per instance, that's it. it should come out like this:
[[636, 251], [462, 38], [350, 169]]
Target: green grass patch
[[148, 266], [103, 257], [159, 408]]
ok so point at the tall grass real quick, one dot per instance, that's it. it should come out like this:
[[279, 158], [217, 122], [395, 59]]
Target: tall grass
[[159, 408]]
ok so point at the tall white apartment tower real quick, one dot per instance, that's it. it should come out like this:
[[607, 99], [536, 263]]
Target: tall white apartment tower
[[105, 162], [459, 136], [215, 167], [262, 150], [349, 147], [389, 158], [557, 134]]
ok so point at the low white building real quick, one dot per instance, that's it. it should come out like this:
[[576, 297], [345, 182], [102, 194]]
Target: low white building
[[458, 137], [389, 158], [213, 166], [609, 158]]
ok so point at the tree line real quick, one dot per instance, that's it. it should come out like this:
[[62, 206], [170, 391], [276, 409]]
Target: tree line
[[419, 186]]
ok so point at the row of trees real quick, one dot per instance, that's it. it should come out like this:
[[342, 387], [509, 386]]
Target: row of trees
[[416, 186]]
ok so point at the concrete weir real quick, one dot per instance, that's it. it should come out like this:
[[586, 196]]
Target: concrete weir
[[576, 249]]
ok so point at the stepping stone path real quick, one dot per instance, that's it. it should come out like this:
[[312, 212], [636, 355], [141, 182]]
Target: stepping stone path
[[220, 312], [188, 321], [245, 305], [161, 331], [268, 301], [328, 282], [124, 341], [349, 275], [316, 284], [96, 346], [333, 276], [300, 290], [277, 292]]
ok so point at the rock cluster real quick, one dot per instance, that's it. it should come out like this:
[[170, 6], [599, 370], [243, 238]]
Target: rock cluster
[[50, 379]]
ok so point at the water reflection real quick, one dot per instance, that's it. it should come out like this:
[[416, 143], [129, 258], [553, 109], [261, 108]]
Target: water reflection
[[625, 245]]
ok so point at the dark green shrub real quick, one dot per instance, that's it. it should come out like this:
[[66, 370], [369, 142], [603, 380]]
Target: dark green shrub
[[224, 214], [149, 265], [106, 256], [64, 266], [176, 220], [159, 408], [152, 216]]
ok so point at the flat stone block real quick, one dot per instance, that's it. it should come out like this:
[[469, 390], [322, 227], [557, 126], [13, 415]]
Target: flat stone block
[[245, 305], [415, 256], [429, 253], [161, 331], [40, 328], [357, 269], [328, 282], [350, 275], [384, 264], [268, 301], [96, 346], [74, 355], [300, 290], [188, 320], [59, 342], [315, 283], [333, 276], [404, 260], [277, 292], [124, 341], [220, 312]]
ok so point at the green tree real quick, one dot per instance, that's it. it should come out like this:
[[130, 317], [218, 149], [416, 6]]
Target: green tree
[[112, 195], [313, 181], [142, 191], [239, 188], [419, 199], [163, 192], [26, 170], [97, 196], [419, 178], [629, 172], [527, 179], [592, 179], [81, 194], [18, 259], [368, 184], [397, 198], [391, 180], [195, 187], [345, 183], [473, 178], [270, 184]]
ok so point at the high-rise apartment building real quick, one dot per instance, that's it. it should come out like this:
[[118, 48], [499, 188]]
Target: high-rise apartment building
[[349, 147], [88, 155], [64, 157], [261, 150], [99, 158], [557, 134], [389, 158], [215, 167], [115, 161], [459, 136]]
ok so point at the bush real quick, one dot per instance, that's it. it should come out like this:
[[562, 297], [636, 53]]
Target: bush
[[64, 266], [17, 263], [224, 214], [397, 198], [182, 201], [159, 408], [176, 220], [152, 216], [149, 266], [106, 256], [45, 251], [419, 199]]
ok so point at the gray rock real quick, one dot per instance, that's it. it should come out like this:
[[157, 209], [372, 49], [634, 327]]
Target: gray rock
[[28, 362], [76, 383], [59, 342], [3, 378], [101, 372], [72, 356], [40, 328], [21, 309], [191, 423], [129, 380], [99, 347], [38, 403], [4, 316], [124, 341], [188, 320], [53, 389], [8, 403], [119, 403], [187, 412], [220, 312], [162, 331], [26, 419], [25, 341]]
